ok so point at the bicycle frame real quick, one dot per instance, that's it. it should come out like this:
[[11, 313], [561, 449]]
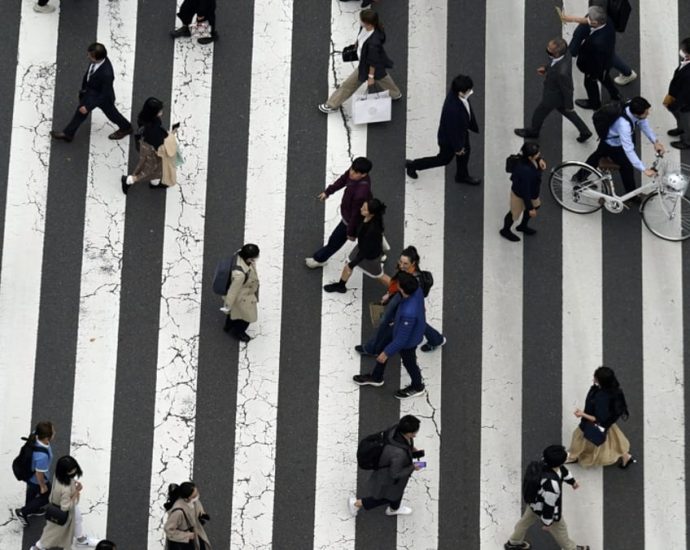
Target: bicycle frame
[[615, 202]]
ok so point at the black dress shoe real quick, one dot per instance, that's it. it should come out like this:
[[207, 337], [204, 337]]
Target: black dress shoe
[[526, 133], [680, 145], [584, 137], [119, 134], [61, 136], [242, 336], [410, 170], [208, 39], [183, 31], [469, 180], [675, 132], [125, 187], [585, 104]]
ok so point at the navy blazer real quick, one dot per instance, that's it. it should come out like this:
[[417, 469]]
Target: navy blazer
[[680, 89], [455, 123], [98, 90], [594, 51], [373, 55], [558, 83]]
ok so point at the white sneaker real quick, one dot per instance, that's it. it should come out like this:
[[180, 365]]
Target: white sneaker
[[225, 310], [402, 511], [44, 9], [622, 80], [351, 506], [313, 264]]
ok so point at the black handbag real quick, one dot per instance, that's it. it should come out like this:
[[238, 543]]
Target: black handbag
[[350, 53], [56, 515], [593, 432], [511, 163]]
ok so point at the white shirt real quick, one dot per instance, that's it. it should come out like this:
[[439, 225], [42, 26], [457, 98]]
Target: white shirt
[[466, 104], [683, 63], [95, 67], [556, 60], [362, 37], [592, 30]]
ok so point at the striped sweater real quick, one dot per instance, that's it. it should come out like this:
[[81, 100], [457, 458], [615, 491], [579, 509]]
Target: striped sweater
[[548, 504]]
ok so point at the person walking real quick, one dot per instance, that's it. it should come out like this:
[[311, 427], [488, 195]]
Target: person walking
[[367, 255], [457, 120], [356, 183], [524, 191], [408, 331], [407, 263], [184, 528], [598, 441], [205, 11], [387, 483], [96, 92], [157, 148], [557, 93], [42, 6], [677, 100], [239, 304], [38, 485], [546, 506], [373, 64], [593, 44]]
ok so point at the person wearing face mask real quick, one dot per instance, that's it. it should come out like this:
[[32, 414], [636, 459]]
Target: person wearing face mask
[[557, 93], [524, 192], [677, 99], [457, 120], [594, 44], [240, 301], [184, 528]]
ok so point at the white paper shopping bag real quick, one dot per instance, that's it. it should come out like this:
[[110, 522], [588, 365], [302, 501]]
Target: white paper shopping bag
[[373, 107]]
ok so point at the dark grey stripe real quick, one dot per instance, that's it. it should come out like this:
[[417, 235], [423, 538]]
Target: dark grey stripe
[[135, 385], [461, 390], [386, 149], [542, 274], [622, 336], [216, 396], [8, 66], [297, 428]]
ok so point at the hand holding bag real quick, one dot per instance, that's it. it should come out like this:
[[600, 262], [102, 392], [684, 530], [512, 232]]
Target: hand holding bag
[[371, 107]]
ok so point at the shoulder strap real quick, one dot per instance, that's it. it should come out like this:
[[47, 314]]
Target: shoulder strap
[[189, 524], [38, 449]]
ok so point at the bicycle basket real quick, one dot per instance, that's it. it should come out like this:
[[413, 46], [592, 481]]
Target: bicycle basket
[[675, 177]]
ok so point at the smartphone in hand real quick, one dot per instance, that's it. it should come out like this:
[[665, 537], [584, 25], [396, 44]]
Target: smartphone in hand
[[420, 464]]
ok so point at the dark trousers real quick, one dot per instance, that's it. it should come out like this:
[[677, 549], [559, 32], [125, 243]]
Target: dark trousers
[[108, 109], [42, 2], [445, 155], [335, 242], [34, 499], [592, 87], [236, 326], [617, 155], [409, 361], [368, 503], [189, 9], [545, 107]]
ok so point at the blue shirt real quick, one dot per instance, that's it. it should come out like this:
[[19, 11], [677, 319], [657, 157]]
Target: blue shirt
[[40, 462], [621, 135]]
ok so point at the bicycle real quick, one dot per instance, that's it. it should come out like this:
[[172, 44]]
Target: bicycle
[[665, 210]]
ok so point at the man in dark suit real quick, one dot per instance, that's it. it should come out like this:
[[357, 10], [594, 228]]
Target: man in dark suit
[[678, 98], [558, 92], [457, 119], [96, 91], [205, 11], [594, 45]]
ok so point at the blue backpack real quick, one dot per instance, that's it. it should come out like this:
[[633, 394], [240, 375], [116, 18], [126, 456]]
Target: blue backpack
[[222, 277]]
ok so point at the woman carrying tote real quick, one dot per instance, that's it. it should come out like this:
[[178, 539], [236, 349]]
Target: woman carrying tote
[[373, 63], [598, 441], [240, 301], [184, 528]]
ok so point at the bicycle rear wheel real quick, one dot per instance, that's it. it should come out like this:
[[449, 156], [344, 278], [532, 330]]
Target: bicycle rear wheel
[[570, 182], [667, 215]]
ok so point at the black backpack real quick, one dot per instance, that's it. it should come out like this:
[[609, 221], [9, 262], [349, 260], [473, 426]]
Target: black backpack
[[426, 281], [21, 465], [531, 483], [222, 275], [604, 117], [369, 450]]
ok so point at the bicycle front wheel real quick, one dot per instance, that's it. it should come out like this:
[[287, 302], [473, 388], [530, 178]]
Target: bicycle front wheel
[[572, 185], [667, 215]]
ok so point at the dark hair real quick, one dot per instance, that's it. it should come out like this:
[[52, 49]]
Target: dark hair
[[638, 105], [561, 45], [97, 50], [411, 253], [149, 112], [554, 456], [249, 251], [377, 209], [461, 83], [64, 466], [175, 491], [106, 545], [362, 165], [370, 17], [609, 383], [42, 430], [407, 282], [685, 45], [529, 149], [408, 424]]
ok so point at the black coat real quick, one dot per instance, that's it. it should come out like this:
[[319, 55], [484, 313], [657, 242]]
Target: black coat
[[373, 55], [455, 123], [680, 89], [594, 51], [395, 469], [98, 90], [526, 180], [558, 84]]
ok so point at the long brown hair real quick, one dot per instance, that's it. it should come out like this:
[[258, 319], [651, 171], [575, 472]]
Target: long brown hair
[[370, 17]]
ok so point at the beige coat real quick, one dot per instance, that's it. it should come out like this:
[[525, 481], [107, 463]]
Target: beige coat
[[242, 297], [178, 524], [168, 154], [60, 536]]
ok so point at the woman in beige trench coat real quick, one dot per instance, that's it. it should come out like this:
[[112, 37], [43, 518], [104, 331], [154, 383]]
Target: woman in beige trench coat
[[243, 294], [184, 528]]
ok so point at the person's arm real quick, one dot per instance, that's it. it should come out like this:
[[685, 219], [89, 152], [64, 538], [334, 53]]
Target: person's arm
[[623, 129], [40, 465], [337, 185], [646, 129], [399, 469], [550, 493], [41, 478], [401, 336], [173, 527]]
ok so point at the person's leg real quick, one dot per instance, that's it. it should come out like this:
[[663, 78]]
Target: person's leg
[[573, 117], [610, 86], [626, 170], [78, 524], [74, 124], [445, 155], [335, 242], [42, 2], [347, 88], [187, 11], [384, 332], [377, 373], [433, 337], [35, 501], [601, 151], [539, 116], [114, 116], [592, 88], [621, 66], [463, 161], [409, 361], [683, 118], [368, 502], [524, 523], [559, 532], [387, 83]]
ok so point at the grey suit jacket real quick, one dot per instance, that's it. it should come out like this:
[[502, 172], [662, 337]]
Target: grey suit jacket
[[558, 83]]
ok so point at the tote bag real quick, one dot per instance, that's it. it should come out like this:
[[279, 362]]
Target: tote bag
[[371, 107]]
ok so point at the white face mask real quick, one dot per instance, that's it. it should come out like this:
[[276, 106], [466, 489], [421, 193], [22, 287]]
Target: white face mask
[[467, 94], [682, 55], [195, 499]]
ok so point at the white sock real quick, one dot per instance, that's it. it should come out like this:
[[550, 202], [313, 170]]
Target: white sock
[[130, 180]]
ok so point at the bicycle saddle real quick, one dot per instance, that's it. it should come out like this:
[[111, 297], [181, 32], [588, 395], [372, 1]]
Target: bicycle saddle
[[605, 163]]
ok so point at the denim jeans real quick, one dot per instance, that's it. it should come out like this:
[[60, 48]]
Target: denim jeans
[[335, 242], [621, 66], [34, 499]]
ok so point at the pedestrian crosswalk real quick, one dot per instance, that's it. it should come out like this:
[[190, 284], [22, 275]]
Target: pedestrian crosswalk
[[109, 327]]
